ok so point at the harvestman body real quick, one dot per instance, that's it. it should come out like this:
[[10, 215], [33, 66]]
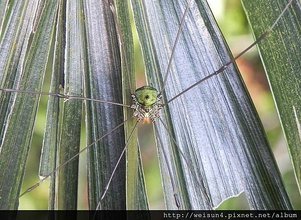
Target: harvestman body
[[146, 103]]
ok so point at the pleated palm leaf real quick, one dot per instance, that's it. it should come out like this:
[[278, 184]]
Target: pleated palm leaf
[[211, 144]]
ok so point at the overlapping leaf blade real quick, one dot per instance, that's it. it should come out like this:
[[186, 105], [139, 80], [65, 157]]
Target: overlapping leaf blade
[[136, 198], [19, 125], [103, 82], [49, 152], [3, 8], [281, 56], [13, 47], [72, 110], [215, 144]]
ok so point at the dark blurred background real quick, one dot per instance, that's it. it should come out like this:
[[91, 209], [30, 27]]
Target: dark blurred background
[[233, 23]]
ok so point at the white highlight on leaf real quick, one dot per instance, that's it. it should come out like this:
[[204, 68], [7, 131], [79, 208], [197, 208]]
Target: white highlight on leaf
[[298, 122]]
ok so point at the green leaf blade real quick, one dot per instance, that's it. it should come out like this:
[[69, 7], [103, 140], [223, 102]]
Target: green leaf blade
[[136, 198], [51, 138], [13, 46], [72, 110], [16, 143], [103, 82], [3, 8], [214, 125], [281, 56]]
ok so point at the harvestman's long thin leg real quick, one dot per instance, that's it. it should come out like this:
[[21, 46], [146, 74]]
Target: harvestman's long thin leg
[[220, 70], [167, 72], [201, 184], [115, 168], [71, 159], [59, 95]]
